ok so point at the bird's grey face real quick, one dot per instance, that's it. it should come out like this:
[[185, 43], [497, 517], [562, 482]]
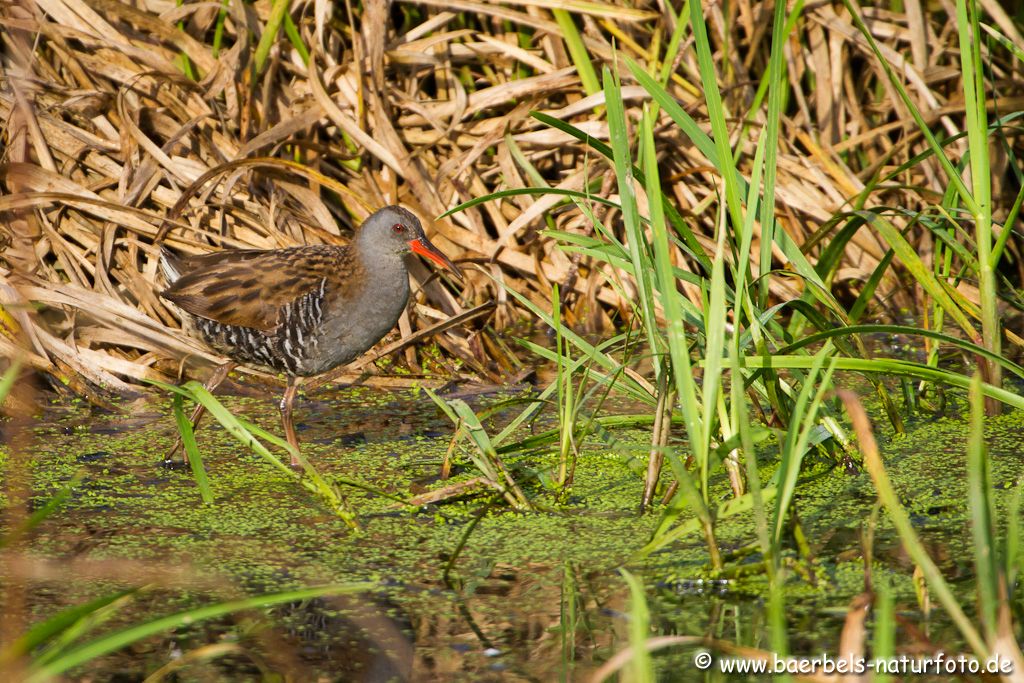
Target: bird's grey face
[[396, 230], [401, 228]]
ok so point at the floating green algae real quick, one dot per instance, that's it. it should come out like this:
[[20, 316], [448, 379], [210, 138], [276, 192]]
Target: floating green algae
[[495, 606]]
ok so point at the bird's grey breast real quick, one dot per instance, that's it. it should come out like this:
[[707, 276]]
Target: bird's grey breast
[[359, 319]]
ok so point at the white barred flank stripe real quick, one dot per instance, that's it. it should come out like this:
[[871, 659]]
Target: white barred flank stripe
[[287, 348]]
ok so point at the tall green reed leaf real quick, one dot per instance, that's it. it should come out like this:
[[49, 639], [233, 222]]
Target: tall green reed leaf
[[976, 116], [623, 159], [641, 664], [776, 90], [991, 587], [566, 396], [717, 115], [883, 643], [678, 345]]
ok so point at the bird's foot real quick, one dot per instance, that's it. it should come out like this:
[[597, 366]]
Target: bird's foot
[[175, 464]]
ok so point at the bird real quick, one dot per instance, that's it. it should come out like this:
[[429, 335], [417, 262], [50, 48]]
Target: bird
[[301, 310]]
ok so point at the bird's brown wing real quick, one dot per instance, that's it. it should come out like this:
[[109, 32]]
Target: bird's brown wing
[[251, 288]]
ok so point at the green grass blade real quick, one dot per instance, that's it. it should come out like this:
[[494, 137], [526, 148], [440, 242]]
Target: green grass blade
[[678, 346], [716, 318], [578, 51], [619, 136], [921, 273], [922, 125], [982, 510], [125, 637], [218, 30], [63, 640], [245, 434], [793, 448], [1009, 45], [777, 85], [478, 435], [270, 31], [188, 442], [905, 528], [674, 44], [501, 194], [906, 330], [734, 506], [292, 31], [42, 633], [981, 176], [717, 116], [888, 366], [1007, 228], [883, 641], [641, 663], [535, 176]]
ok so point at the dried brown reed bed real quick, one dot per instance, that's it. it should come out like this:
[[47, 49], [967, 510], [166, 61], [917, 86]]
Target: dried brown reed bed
[[108, 142]]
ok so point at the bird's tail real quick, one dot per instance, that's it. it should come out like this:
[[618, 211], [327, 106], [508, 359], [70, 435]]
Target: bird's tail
[[170, 264]]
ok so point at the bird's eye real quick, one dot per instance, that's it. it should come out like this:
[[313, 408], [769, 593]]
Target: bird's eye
[[398, 228]]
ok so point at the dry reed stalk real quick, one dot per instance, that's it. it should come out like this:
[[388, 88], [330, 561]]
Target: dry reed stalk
[[126, 120]]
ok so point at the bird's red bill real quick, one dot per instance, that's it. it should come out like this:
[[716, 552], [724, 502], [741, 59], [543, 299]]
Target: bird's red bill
[[427, 250]]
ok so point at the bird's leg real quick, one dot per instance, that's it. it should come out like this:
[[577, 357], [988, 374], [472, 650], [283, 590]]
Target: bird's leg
[[286, 417], [218, 376]]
